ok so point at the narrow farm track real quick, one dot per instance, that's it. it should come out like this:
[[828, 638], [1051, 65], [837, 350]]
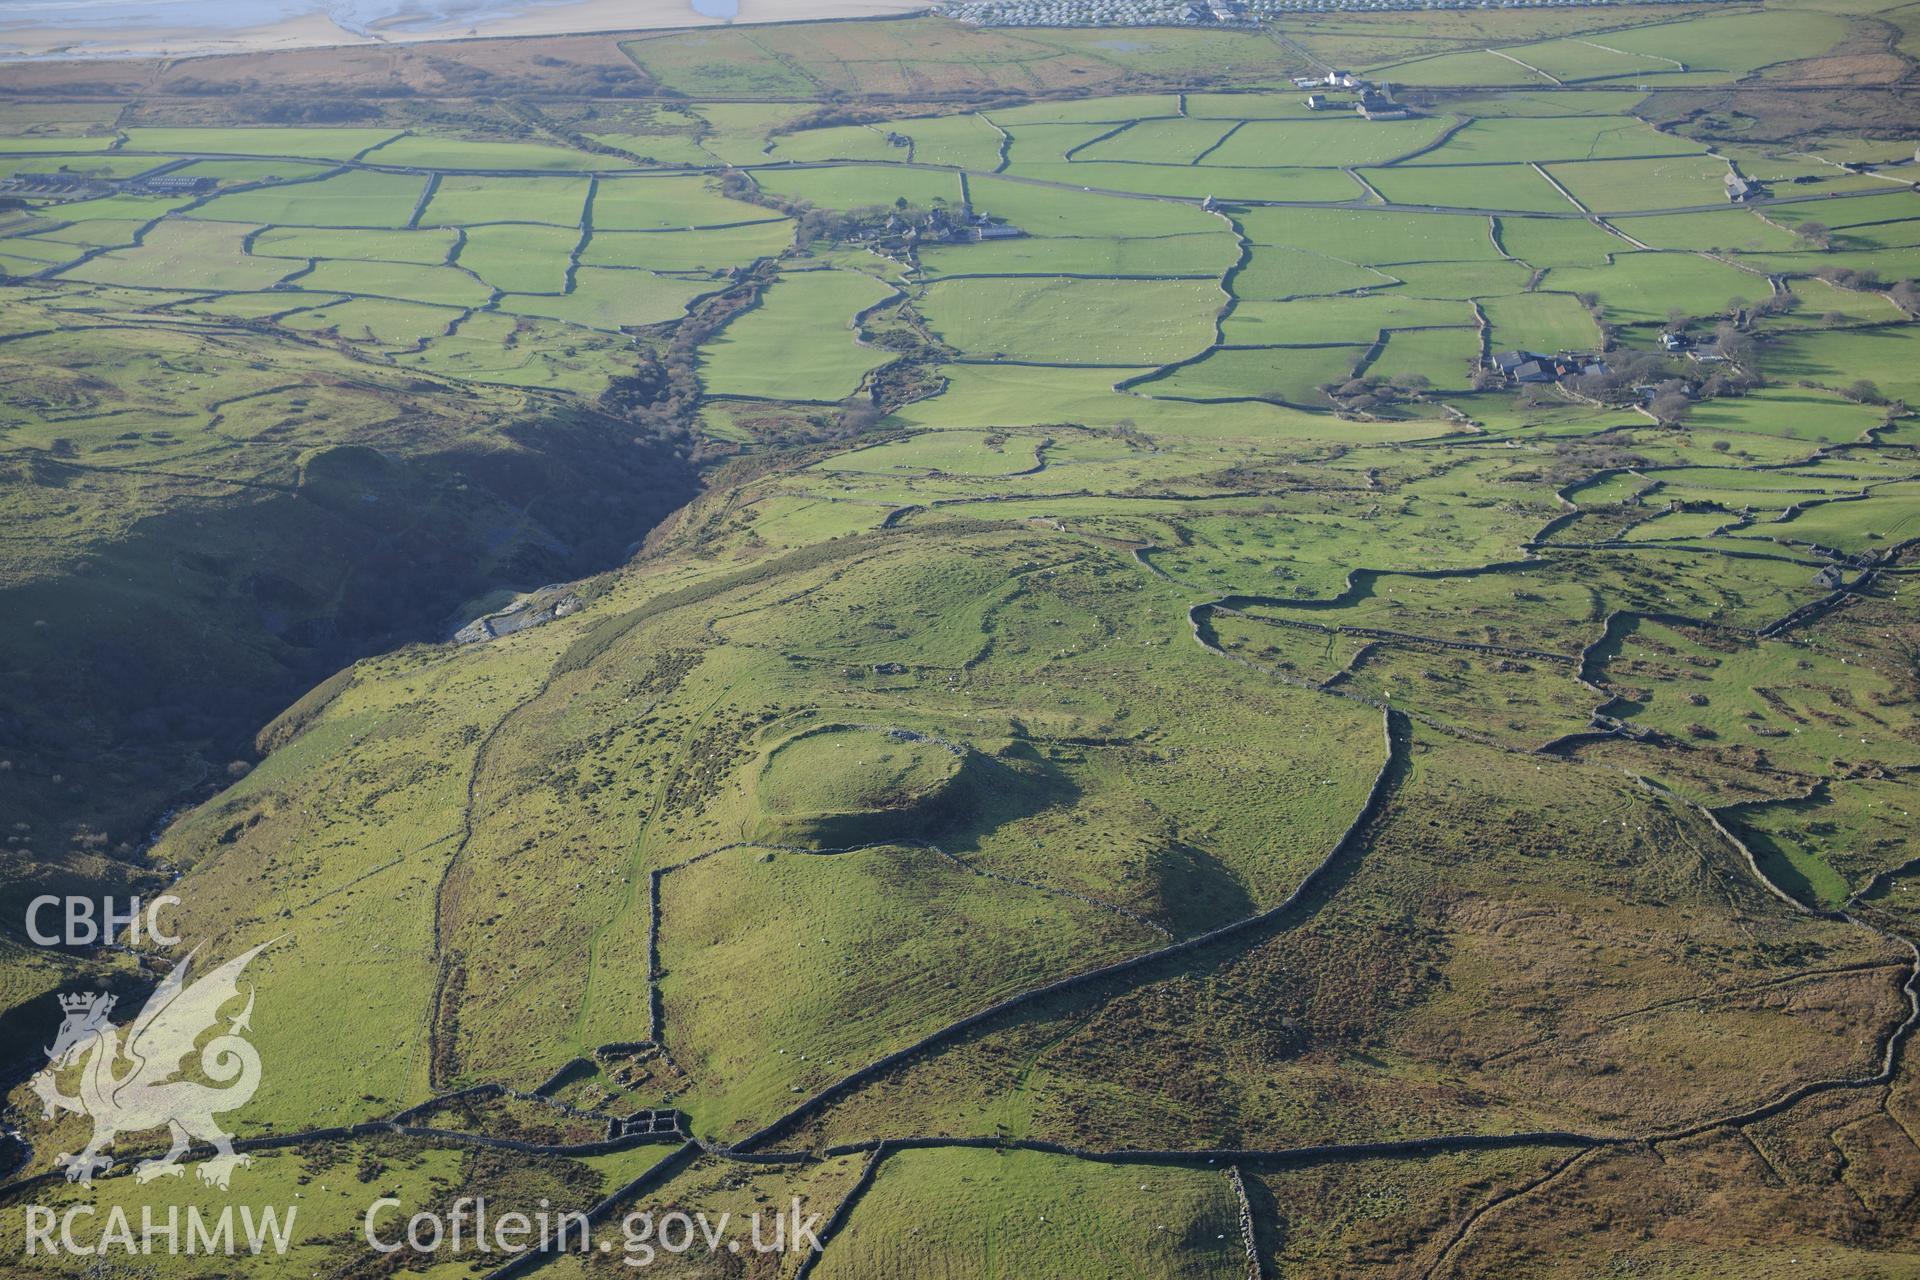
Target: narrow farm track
[[1465, 1228], [440, 1033]]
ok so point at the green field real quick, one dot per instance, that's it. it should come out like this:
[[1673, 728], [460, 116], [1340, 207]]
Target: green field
[[1061, 1219], [232, 172], [965, 142], [1051, 143], [687, 250], [1796, 414], [844, 142], [1618, 186], [1560, 242], [1265, 143], [1374, 239], [1208, 254], [419, 151], [661, 204], [1049, 211], [854, 186], [356, 199], [1442, 356], [102, 166], [381, 321], [206, 255], [1540, 322], [461, 200], [1528, 140], [1275, 272], [520, 259], [610, 299], [21, 145], [1289, 375], [969, 453], [1735, 231], [1195, 182], [657, 148], [445, 286], [426, 248], [1641, 288], [1074, 321], [1357, 319], [1465, 69], [755, 355], [318, 144], [1517, 187], [1177, 141]]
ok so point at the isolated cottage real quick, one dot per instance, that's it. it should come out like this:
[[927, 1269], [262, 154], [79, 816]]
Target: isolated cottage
[[1508, 362], [172, 184], [1567, 365], [48, 182]]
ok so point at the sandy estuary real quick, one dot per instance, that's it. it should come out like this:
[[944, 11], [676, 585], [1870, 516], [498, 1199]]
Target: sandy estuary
[[178, 28]]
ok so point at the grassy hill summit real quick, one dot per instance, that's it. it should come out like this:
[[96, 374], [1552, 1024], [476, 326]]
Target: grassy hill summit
[[1260, 646], [850, 784]]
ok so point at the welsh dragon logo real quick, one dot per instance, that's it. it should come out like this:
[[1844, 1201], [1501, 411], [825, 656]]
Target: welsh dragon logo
[[136, 1084]]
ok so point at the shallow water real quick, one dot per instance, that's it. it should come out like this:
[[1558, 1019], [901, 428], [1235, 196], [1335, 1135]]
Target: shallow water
[[359, 16]]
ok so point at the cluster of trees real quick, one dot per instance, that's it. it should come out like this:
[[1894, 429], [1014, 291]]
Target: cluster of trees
[[1672, 401], [826, 116], [812, 223], [1905, 293], [317, 111], [662, 393], [634, 395], [1673, 396], [1732, 338], [1368, 392], [1847, 278], [1817, 234], [1581, 457]]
